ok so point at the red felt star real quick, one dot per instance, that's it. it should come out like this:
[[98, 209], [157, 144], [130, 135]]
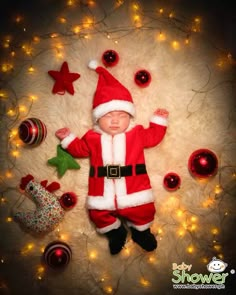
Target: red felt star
[[64, 80]]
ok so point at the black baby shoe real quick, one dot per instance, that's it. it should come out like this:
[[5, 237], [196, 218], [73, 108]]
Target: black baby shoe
[[145, 239], [117, 238]]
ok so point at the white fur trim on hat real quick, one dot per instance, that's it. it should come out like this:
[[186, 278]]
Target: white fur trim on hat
[[113, 105]]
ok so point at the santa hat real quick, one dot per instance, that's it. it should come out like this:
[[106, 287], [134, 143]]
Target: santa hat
[[110, 94]]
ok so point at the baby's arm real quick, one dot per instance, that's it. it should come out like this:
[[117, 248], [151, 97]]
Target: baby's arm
[[157, 128], [75, 146]]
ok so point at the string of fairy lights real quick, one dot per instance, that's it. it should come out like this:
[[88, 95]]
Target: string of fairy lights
[[19, 57]]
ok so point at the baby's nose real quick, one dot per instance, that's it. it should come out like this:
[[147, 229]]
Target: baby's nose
[[115, 120]]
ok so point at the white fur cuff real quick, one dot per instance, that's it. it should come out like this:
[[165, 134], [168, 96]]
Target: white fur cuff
[[110, 227], [67, 140], [159, 120]]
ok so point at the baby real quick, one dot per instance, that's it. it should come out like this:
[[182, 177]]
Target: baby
[[119, 187]]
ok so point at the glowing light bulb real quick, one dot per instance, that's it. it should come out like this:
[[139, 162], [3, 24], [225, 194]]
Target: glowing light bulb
[[76, 29], [70, 2], [218, 189], [36, 39], [6, 45], [207, 203], [33, 97], [9, 219], [175, 45], [217, 247], [3, 200], [11, 112], [22, 109], [186, 41], [40, 272], [30, 246], [6, 67], [18, 19], [31, 69], [15, 153], [152, 259], [135, 6], [108, 290], [185, 225], [190, 249], [193, 219], [119, 3], [136, 17], [126, 251], [221, 256], [54, 35], [193, 227], [13, 133], [181, 232], [215, 231], [160, 231], [3, 95], [88, 22], [196, 24], [179, 213], [161, 36], [41, 269], [93, 255], [62, 20], [91, 3], [144, 282], [9, 174]]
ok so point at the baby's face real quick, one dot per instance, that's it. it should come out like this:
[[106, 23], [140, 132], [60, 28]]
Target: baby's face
[[114, 122]]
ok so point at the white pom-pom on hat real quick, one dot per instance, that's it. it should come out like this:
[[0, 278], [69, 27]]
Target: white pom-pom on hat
[[93, 64]]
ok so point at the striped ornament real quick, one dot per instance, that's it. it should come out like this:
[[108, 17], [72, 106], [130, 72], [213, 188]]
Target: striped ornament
[[57, 254], [32, 131]]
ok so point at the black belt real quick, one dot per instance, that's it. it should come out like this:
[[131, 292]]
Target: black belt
[[117, 171]]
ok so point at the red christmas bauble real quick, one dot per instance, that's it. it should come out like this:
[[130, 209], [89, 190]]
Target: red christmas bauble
[[171, 181], [32, 131], [110, 58], [68, 200], [142, 78], [203, 163], [57, 255]]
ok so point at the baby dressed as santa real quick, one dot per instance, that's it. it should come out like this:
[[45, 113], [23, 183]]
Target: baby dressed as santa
[[119, 187]]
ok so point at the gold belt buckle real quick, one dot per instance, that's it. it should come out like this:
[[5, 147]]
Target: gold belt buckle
[[113, 171]]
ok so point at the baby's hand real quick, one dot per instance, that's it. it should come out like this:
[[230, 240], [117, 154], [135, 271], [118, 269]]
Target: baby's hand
[[62, 133], [162, 112]]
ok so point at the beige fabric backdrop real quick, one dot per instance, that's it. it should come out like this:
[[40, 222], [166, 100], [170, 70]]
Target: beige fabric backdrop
[[193, 81]]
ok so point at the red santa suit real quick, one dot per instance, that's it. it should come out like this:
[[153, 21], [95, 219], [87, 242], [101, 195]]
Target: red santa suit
[[118, 182]]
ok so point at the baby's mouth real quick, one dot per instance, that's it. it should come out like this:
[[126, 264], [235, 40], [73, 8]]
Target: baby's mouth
[[114, 127]]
